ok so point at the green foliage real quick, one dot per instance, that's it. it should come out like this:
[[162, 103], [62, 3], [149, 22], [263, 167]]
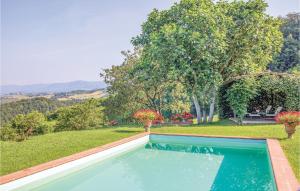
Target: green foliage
[[27, 125], [273, 89], [289, 56], [204, 43], [46, 127], [81, 116], [9, 110], [295, 70], [7, 133], [175, 100], [239, 95], [135, 85], [279, 90], [84, 115], [124, 92]]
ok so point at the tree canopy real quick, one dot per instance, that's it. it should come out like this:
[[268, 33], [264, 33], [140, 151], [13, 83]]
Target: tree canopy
[[131, 86], [289, 57], [44, 105], [204, 43]]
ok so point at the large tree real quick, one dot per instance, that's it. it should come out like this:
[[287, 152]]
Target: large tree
[[205, 43], [289, 56], [132, 86]]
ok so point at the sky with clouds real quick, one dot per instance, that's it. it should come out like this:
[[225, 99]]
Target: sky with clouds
[[46, 41]]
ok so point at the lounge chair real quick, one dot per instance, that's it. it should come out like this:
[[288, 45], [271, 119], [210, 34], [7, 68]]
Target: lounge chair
[[268, 109], [251, 115], [259, 114], [274, 114]]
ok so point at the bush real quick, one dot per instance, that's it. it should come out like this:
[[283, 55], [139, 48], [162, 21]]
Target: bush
[[27, 125], [185, 116], [44, 128], [273, 89], [81, 116], [7, 133]]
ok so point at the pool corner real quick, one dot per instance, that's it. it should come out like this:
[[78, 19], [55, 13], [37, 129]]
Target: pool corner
[[284, 176]]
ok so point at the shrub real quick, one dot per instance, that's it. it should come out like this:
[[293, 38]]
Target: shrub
[[273, 89], [176, 117], [81, 116], [185, 116], [44, 128], [27, 125], [7, 133]]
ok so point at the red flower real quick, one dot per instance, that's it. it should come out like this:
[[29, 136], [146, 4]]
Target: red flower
[[288, 118], [148, 115], [187, 115], [181, 117]]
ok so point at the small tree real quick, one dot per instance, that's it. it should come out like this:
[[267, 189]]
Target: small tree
[[239, 96]]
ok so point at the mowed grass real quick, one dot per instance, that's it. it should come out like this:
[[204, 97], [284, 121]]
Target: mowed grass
[[19, 155], [39, 149]]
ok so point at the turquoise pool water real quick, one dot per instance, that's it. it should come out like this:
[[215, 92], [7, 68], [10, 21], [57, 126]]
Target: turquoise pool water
[[176, 163]]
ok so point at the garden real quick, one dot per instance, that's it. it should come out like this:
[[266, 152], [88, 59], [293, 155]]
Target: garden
[[197, 68]]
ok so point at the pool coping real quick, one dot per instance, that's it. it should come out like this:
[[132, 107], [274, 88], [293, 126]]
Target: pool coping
[[54, 163], [283, 174]]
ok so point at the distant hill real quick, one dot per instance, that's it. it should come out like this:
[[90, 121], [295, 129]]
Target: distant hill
[[44, 105], [52, 88]]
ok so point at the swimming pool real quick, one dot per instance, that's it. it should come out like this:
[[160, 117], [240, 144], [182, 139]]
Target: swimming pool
[[168, 162]]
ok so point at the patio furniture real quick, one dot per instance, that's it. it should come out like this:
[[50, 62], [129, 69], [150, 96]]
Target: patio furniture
[[259, 114], [274, 114], [251, 115], [268, 109]]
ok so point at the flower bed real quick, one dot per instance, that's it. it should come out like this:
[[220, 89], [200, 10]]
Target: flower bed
[[184, 118]]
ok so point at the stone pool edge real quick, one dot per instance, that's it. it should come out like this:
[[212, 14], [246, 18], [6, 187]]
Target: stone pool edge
[[283, 174], [54, 163]]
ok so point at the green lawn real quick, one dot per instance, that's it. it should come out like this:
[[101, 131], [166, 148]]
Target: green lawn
[[39, 149]]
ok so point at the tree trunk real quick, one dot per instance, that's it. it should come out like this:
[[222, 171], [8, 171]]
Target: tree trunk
[[212, 106], [198, 108], [204, 115]]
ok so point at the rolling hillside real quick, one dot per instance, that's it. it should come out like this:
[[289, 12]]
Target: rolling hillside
[[52, 88]]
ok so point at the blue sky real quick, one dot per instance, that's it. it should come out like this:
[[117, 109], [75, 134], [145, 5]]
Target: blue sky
[[45, 41]]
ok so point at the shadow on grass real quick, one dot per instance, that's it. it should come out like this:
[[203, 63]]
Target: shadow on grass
[[127, 131], [282, 139]]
